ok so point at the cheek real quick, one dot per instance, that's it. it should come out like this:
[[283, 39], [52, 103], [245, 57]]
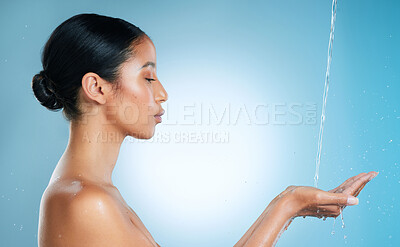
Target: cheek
[[138, 94], [137, 103]]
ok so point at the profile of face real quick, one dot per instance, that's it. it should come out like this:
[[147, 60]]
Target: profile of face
[[132, 109]]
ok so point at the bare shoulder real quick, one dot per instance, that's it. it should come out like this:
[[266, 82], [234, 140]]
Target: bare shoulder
[[77, 214]]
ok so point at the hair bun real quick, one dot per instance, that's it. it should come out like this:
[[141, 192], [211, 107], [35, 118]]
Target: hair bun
[[44, 91]]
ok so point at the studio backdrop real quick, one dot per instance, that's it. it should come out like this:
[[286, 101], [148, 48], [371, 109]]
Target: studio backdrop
[[245, 81]]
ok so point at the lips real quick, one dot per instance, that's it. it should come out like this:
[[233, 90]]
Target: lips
[[160, 114]]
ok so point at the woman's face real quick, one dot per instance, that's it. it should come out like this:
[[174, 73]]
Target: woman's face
[[140, 94]]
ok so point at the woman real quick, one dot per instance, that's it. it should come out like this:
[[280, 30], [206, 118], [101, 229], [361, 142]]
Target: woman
[[102, 72]]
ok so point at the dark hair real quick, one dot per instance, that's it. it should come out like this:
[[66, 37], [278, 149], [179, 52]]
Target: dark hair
[[83, 43]]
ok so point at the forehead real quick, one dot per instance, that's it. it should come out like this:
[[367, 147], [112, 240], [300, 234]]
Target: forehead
[[145, 52]]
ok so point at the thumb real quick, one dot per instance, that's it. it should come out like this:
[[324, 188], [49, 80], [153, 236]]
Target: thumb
[[329, 198]]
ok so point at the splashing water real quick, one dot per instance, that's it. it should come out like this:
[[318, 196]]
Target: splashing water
[[328, 68]]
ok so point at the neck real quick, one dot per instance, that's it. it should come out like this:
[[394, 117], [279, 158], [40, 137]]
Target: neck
[[92, 151]]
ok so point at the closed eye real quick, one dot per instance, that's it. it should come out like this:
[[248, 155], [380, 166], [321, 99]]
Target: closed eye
[[150, 79]]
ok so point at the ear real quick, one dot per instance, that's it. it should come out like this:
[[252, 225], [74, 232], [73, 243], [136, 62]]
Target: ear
[[95, 88]]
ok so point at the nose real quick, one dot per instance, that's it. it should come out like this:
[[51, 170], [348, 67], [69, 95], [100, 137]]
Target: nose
[[161, 95]]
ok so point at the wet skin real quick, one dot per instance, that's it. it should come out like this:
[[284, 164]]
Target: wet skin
[[298, 201], [81, 206]]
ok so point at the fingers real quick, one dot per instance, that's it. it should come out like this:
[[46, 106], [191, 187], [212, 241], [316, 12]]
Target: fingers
[[352, 180], [341, 187], [323, 211], [354, 186], [359, 190], [349, 189], [331, 211], [357, 186]]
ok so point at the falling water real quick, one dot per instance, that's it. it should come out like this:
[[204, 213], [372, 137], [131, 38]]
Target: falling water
[[334, 220], [328, 67], [341, 215]]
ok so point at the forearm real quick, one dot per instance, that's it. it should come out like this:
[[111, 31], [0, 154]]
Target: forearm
[[250, 231], [255, 225], [266, 230]]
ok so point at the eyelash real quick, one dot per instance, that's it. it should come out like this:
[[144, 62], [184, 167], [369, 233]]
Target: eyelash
[[150, 79]]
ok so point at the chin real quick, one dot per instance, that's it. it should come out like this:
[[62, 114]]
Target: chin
[[145, 135]]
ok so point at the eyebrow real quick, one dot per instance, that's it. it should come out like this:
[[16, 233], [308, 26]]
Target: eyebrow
[[148, 64]]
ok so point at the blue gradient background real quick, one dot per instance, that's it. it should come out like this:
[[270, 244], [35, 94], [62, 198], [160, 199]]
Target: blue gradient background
[[218, 53]]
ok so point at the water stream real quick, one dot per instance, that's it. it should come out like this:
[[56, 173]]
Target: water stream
[[328, 68], [321, 128]]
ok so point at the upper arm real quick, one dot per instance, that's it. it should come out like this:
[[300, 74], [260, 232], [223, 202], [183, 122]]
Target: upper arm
[[92, 218]]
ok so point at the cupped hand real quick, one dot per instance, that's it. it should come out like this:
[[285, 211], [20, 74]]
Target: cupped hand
[[354, 185], [319, 203]]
